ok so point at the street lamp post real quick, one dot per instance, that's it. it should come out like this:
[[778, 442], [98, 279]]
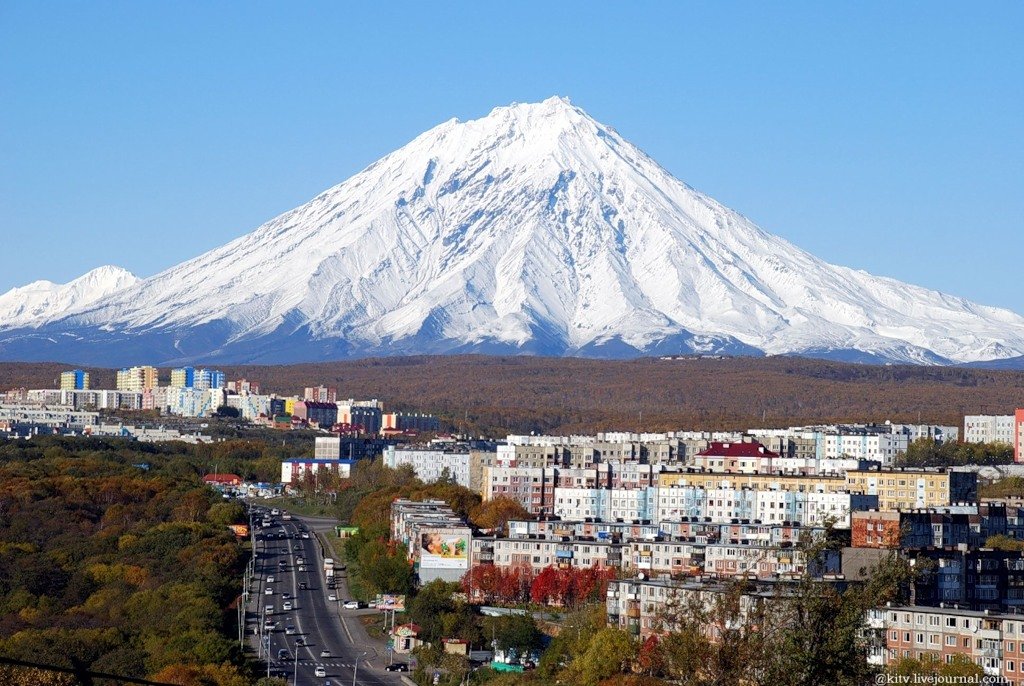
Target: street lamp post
[[355, 670]]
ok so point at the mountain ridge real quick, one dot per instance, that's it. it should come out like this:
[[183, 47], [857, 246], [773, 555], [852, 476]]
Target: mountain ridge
[[535, 229]]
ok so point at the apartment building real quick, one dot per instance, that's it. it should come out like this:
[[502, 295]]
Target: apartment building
[[983, 428], [625, 504], [137, 379], [910, 488], [993, 641], [74, 380], [439, 543], [968, 524], [538, 552], [320, 394], [432, 463], [770, 506]]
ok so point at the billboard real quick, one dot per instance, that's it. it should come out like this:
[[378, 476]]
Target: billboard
[[390, 602], [444, 551]]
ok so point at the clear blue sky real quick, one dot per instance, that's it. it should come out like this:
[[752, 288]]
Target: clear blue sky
[[883, 136]]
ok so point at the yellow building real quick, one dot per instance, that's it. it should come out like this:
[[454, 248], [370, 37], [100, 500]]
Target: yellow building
[[289, 406], [137, 379], [74, 380], [896, 488], [908, 488]]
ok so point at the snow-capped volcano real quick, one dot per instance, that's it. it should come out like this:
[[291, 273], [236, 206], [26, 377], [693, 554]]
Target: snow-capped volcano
[[43, 301], [534, 229]]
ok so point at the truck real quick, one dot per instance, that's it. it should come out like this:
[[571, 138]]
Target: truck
[[329, 567]]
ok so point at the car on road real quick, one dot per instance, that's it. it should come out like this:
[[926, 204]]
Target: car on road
[[287, 606], [351, 605], [275, 512], [290, 630], [270, 579], [282, 654], [268, 591], [397, 667], [302, 585], [269, 609], [325, 653], [305, 534], [301, 568], [300, 560], [333, 598], [286, 596], [282, 563], [300, 641], [319, 671]]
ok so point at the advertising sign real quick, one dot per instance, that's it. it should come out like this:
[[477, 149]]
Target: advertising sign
[[444, 551], [391, 602]]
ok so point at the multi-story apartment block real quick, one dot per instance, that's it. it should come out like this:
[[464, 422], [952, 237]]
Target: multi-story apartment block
[[644, 607], [74, 380], [324, 415], [431, 464], [532, 487], [982, 428], [320, 394], [409, 421], [538, 552], [137, 379], [769, 506], [293, 471], [910, 488], [439, 544], [746, 457], [1018, 436], [993, 641], [364, 413], [627, 504], [969, 524]]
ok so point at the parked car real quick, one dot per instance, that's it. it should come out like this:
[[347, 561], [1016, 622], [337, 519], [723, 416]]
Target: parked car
[[351, 605], [397, 667]]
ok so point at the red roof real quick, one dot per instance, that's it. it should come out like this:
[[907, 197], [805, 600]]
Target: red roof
[[741, 449]]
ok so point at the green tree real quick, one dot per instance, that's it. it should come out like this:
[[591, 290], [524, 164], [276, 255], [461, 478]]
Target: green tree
[[609, 652], [516, 632]]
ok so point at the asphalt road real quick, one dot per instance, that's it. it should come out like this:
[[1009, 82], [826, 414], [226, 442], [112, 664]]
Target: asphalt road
[[322, 624]]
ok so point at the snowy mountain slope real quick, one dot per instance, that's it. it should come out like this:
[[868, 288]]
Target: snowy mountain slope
[[534, 229], [43, 301]]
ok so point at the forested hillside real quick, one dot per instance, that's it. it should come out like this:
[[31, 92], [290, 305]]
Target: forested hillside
[[115, 558], [484, 394]]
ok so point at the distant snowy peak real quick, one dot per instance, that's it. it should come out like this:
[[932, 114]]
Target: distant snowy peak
[[534, 229], [42, 301]]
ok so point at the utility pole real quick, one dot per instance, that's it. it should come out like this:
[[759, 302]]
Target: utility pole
[[355, 669]]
